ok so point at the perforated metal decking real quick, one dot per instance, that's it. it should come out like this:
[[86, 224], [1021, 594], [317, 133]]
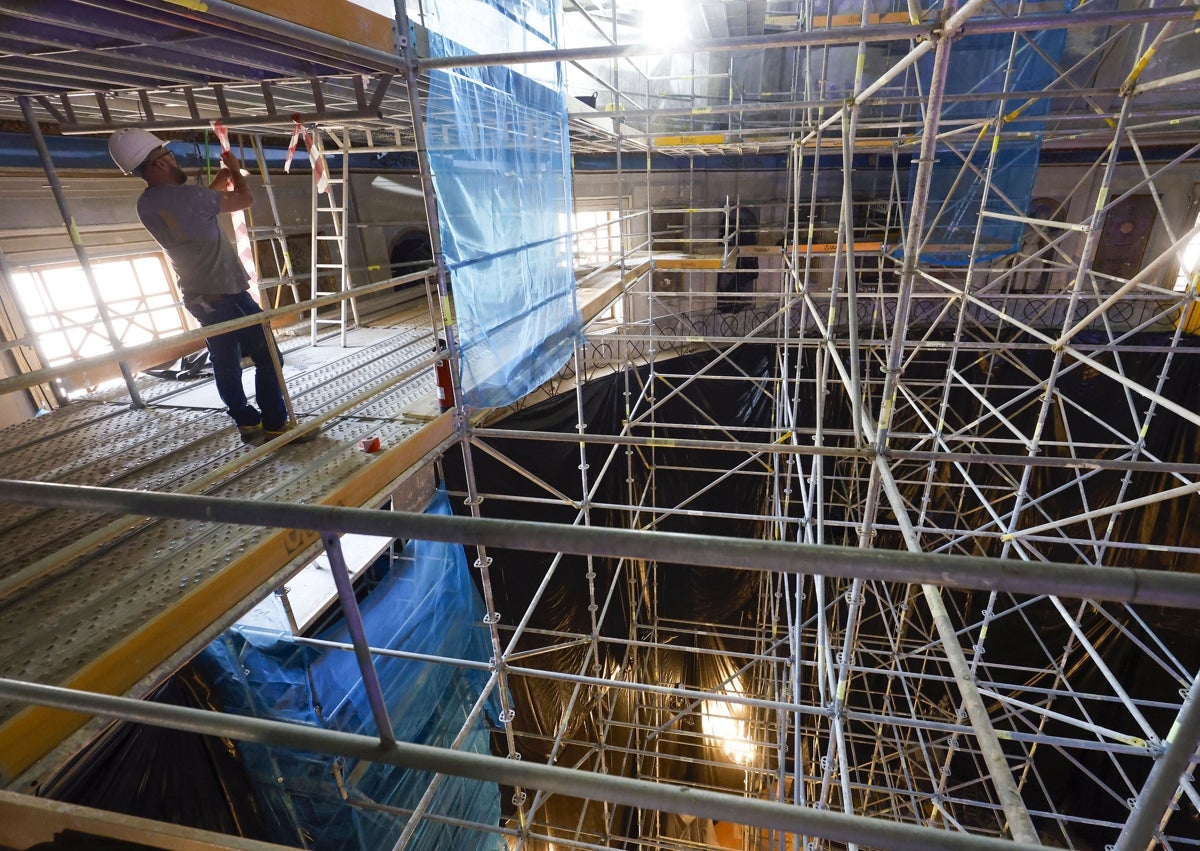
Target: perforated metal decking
[[110, 603]]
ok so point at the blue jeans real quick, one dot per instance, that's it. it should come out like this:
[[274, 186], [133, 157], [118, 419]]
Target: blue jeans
[[226, 351]]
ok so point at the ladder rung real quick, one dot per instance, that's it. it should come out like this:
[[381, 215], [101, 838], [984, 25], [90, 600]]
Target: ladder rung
[[328, 266], [331, 209], [329, 239]]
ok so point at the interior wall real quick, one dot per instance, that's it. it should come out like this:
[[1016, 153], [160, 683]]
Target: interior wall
[[104, 208], [388, 204], [689, 189], [1077, 184], [1081, 187]]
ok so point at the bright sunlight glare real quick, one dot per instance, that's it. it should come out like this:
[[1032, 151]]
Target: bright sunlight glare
[[666, 21]]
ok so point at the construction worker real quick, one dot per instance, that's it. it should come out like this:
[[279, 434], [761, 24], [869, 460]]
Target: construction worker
[[182, 218]]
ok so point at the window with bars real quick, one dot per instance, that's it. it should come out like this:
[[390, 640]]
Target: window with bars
[[597, 237], [138, 291]]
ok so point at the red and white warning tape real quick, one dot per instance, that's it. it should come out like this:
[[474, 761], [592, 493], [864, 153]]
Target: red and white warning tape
[[241, 232], [319, 169]]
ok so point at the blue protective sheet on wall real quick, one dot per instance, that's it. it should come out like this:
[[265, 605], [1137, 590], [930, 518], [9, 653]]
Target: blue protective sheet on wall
[[498, 148], [979, 64], [426, 604]]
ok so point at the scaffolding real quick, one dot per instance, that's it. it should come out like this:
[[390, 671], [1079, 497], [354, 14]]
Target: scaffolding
[[963, 620]]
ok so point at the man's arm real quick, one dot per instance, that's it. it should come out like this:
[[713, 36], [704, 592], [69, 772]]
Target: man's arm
[[231, 183]]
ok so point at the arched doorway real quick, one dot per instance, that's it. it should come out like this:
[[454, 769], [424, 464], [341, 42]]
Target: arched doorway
[[410, 252]]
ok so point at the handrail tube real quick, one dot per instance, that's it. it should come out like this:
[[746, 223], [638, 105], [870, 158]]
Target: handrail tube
[[1118, 584], [664, 797], [41, 376], [815, 38]]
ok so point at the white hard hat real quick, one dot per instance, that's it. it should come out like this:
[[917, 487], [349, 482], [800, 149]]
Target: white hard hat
[[130, 146]]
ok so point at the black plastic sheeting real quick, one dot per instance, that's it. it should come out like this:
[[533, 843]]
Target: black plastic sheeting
[[200, 782], [703, 593], [165, 775], [685, 592], [729, 596]]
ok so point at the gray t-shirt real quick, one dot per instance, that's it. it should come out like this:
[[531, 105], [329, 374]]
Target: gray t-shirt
[[183, 220]]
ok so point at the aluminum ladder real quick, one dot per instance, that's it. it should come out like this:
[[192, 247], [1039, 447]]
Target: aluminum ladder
[[330, 225]]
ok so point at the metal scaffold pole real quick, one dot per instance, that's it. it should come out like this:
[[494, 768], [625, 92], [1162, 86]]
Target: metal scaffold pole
[[35, 132], [660, 797], [911, 455]]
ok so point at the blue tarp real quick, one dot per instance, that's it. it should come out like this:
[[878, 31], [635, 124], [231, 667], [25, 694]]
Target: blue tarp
[[499, 152], [426, 604], [979, 64]]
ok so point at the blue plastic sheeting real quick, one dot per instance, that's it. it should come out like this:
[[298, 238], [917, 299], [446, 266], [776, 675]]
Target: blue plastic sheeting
[[498, 26], [958, 206], [980, 64], [426, 604], [498, 147]]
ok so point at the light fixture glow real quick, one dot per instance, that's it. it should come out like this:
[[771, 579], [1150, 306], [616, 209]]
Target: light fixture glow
[[724, 723]]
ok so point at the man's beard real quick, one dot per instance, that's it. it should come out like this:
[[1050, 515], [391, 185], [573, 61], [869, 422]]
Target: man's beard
[[178, 175]]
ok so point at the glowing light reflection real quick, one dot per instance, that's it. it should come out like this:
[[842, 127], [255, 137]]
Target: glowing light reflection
[[725, 723], [665, 21]]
